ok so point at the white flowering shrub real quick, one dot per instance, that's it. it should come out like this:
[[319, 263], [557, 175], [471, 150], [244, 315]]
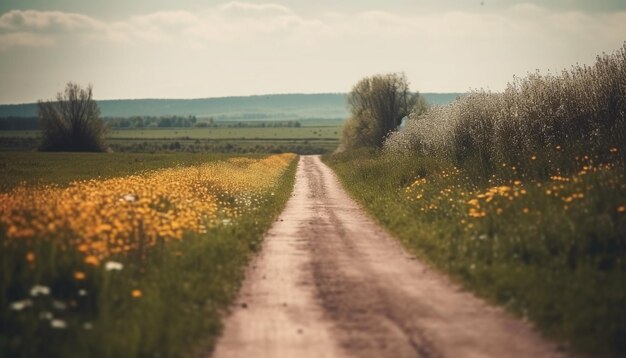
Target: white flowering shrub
[[538, 123]]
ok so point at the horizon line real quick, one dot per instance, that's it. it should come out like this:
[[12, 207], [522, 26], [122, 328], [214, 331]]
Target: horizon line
[[216, 97]]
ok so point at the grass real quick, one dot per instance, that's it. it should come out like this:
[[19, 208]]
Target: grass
[[307, 139], [183, 286], [36, 168], [310, 133], [553, 250]]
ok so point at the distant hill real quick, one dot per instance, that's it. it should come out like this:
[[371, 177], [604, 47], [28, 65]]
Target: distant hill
[[276, 106], [441, 98]]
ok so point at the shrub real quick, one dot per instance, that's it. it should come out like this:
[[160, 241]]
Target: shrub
[[72, 122], [538, 124], [377, 106]]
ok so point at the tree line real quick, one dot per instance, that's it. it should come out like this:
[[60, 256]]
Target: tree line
[[33, 123]]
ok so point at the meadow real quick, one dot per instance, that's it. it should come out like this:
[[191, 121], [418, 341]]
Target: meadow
[[128, 254], [312, 137], [519, 195]]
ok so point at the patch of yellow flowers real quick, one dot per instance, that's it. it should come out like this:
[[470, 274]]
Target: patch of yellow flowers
[[104, 217]]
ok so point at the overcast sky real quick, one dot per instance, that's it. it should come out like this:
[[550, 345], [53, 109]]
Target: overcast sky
[[193, 48]]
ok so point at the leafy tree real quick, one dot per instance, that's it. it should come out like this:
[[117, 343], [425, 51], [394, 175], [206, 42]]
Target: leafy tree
[[377, 106], [72, 122]]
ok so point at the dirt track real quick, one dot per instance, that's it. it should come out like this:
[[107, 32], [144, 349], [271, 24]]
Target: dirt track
[[329, 282]]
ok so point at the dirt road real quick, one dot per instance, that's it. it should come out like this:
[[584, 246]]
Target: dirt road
[[329, 282]]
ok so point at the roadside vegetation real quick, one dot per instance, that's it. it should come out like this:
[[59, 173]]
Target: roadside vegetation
[[130, 265], [519, 195]]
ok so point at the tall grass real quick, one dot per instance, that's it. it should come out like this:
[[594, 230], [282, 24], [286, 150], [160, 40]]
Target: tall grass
[[538, 124]]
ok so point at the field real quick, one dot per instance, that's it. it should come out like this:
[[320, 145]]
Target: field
[[312, 137], [128, 254]]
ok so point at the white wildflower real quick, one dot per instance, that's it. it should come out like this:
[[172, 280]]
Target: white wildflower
[[39, 290], [113, 266], [130, 198], [58, 324], [20, 305]]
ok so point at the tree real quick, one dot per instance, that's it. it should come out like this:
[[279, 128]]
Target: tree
[[377, 106], [72, 122]]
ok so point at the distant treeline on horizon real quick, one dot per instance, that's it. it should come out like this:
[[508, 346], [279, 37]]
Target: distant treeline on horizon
[[277, 106], [32, 123]]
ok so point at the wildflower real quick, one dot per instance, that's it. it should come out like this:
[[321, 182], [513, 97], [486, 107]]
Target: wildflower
[[39, 290], [30, 257], [82, 292], [92, 260], [533, 157], [58, 324], [173, 201], [87, 326], [45, 315], [136, 293], [59, 305], [20, 305], [113, 266], [525, 210], [558, 147], [79, 276], [621, 209]]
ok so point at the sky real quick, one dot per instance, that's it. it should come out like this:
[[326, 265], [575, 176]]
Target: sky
[[210, 48]]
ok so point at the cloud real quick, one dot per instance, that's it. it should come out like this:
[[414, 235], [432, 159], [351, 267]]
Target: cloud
[[240, 22], [227, 23], [45, 29], [236, 8], [47, 21], [24, 39]]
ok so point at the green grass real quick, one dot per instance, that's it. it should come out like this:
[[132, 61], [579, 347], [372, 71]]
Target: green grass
[[185, 285], [304, 132], [61, 168], [306, 139], [230, 133], [554, 253]]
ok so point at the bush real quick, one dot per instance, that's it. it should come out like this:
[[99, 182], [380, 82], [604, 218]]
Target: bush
[[538, 125], [72, 122], [377, 106]]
